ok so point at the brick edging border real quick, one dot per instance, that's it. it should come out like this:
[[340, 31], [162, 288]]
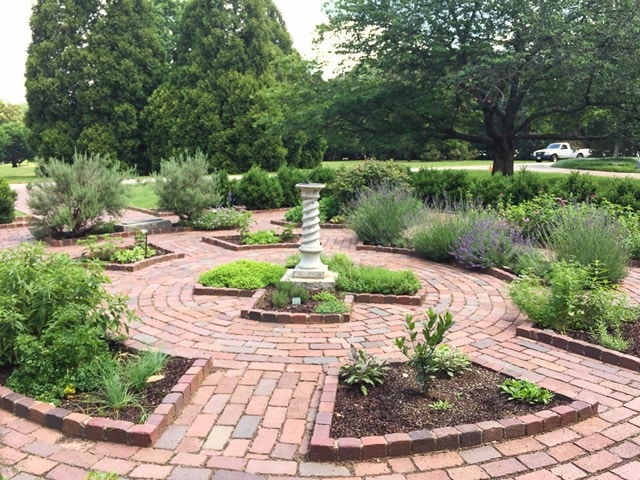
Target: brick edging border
[[220, 242], [19, 222], [147, 262], [579, 347], [107, 429], [52, 242], [323, 448]]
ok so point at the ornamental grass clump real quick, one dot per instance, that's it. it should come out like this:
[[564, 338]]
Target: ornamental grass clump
[[381, 214], [436, 234], [586, 234]]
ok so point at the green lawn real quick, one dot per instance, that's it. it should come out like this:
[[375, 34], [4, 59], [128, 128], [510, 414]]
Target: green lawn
[[23, 174], [625, 165], [142, 195]]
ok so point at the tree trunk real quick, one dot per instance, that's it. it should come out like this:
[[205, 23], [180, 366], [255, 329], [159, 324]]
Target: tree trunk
[[503, 153]]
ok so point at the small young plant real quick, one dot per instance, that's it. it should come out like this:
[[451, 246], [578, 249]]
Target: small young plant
[[450, 360], [421, 353], [363, 370], [441, 405], [525, 391]]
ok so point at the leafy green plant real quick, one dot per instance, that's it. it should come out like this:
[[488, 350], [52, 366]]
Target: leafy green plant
[[449, 360], [421, 353], [525, 391], [102, 476], [76, 196], [260, 237], [184, 187], [441, 405], [42, 290], [248, 274], [332, 306], [7, 202], [363, 370], [107, 249], [381, 214], [280, 299], [220, 218], [287, 233], [433, 186], [294, 214]]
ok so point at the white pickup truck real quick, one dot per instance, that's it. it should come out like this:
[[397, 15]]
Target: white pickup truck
[[560, 151]]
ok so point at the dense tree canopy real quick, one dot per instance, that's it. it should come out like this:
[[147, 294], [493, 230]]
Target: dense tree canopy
[[91, 68], [491, 72], [221, 95], [14, 143]]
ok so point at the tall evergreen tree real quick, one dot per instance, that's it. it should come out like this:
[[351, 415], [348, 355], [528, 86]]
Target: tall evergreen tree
[[217, 98], [92, 66]]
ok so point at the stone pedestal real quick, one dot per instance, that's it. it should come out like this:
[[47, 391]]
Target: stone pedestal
[[311, 272]]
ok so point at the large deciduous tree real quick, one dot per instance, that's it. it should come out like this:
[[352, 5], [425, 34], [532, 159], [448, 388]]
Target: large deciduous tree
[[494, 72], [91, 67], [220, 95]]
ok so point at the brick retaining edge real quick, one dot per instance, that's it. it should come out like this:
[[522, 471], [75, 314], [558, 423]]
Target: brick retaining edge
[[323, 448], [106, 429], [327, 226], [220, 242], [52, 242], [19, 222], [579, 347], [147, 262]]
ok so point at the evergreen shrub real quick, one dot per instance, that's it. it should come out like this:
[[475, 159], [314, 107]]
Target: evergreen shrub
[[256, 190], [76, 197], [437, 186], [7, 202], [184, 187]]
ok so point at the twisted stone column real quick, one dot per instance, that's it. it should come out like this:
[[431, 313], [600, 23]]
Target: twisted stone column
[[310, 265]]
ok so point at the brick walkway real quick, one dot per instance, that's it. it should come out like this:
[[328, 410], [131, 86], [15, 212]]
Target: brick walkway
[[252, 417]]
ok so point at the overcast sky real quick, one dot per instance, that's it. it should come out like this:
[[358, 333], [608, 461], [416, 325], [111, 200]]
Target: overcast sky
[[301, 17]]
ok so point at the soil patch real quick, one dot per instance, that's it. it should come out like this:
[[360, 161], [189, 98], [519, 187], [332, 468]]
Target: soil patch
[[148, 400], [265, 303], [398, 406]]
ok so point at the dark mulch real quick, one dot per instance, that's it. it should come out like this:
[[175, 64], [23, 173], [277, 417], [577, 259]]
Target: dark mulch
[[398, 406], [629, 331], [265, 303], [149, 399]]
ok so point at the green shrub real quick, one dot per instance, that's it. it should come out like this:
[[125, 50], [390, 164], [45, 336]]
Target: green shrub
[[526, 186], [280, 299], [294, 215], [580, 187], [7, 202], [491, 191], [288, 178], [293, 290], [586, 234], [256, 190], [76, 196], [622, 191], [363, 370], [435, 235], [421, 353], [42, 290], [247, 274], [184, 187], [368, 279], [260, 237], [533, 217], [435, 186], [220, 218], [59, 357], [334, 305], [572, 297], [381, 215], [350, 182]]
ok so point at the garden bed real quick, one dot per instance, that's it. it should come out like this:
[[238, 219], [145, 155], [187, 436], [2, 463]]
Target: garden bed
[[328, 226], [580, 344], [235, 243], [161, 256], [349, 426], [66, 242], [165, 401]]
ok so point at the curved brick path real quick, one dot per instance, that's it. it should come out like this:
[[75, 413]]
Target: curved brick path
[[252, 417]]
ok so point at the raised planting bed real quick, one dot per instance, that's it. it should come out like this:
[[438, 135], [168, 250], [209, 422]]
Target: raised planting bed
[[328, 226], [108, 429], [454, 432], [579, 346], [66, 242], [235, 243], [19, 222]]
